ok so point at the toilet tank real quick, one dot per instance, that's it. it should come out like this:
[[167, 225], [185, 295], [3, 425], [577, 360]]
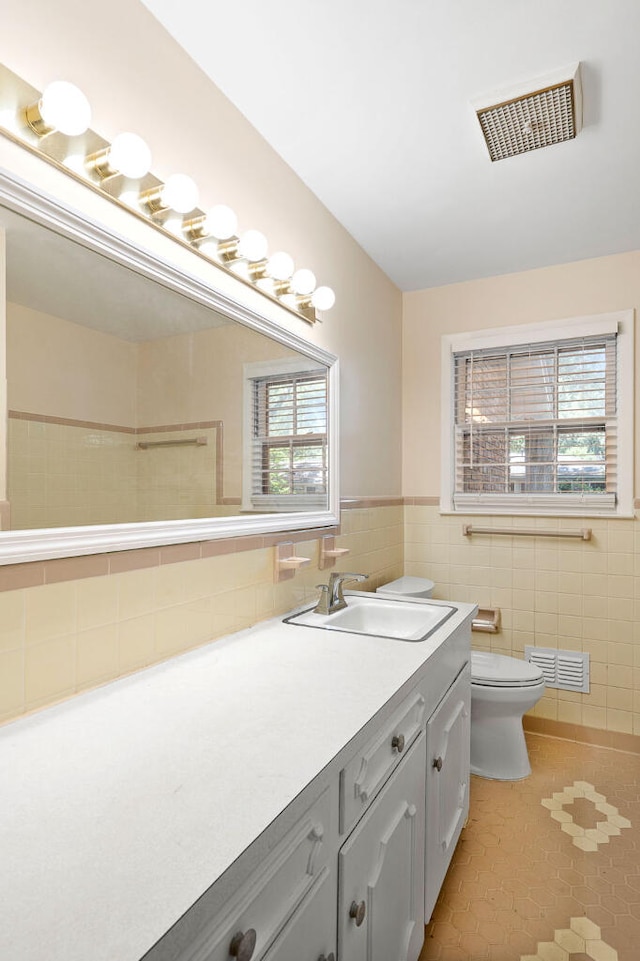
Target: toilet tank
[[408, 587]]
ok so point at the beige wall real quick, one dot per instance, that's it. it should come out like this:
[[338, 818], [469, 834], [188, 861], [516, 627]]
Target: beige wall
[[573, 595], [62, 369]]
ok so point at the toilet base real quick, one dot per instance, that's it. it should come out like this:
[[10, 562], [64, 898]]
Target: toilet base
[[499, 750], [498, 747]]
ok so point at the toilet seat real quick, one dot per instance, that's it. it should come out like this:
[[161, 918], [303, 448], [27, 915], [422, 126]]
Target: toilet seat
[[499, 670]]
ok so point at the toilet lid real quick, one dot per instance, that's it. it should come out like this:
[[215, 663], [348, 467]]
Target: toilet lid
[[498, 670]]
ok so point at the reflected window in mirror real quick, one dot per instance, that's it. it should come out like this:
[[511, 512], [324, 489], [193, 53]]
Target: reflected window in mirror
[[286, 415]]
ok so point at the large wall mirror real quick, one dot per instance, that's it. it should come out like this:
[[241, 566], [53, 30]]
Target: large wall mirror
[[144, 408]]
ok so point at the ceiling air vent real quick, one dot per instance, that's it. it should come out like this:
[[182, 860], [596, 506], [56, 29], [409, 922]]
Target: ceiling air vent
[[544, 111]]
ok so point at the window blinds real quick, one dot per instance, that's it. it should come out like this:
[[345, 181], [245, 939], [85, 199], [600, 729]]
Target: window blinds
[[289, 441], [537, 423]]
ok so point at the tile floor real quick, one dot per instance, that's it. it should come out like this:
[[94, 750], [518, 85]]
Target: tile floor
[[548, 868]]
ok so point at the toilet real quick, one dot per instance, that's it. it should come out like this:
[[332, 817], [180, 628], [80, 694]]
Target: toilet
[[502, 690], [408, 587]]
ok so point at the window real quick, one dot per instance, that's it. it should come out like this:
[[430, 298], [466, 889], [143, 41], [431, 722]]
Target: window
[[539, 423], [287, 427]]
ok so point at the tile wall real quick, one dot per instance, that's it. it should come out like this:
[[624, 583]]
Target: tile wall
[[570, 594], [67, 475], [86, 621]]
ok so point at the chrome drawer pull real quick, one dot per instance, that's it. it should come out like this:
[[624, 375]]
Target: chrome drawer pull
[[242, 945], [358, 912]]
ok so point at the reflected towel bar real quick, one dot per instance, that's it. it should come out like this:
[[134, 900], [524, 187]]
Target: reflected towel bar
[[468, 529], [186, 442]]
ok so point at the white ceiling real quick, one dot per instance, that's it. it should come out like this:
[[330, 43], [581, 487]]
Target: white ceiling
[[369, 101]]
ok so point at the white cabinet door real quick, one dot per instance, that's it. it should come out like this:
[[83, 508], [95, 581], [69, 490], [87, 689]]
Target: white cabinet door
[[447, 782], [310, 934], [381, 871]]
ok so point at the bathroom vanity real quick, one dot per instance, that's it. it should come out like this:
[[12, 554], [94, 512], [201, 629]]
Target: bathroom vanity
[[283, 794]]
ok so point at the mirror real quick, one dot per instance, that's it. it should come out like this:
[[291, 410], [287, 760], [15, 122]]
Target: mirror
[[151, 405]]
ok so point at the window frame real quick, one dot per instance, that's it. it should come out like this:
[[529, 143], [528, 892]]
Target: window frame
[[551, 505], [261, 370]]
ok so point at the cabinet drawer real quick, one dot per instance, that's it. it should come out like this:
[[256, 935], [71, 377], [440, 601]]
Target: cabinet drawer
[[368, 770], [261, 908], [311, 932]]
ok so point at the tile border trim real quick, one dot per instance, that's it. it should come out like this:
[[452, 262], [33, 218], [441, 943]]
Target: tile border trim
[[630, 743]]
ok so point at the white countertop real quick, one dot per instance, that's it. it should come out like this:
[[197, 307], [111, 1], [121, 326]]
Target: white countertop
[[120, 807]]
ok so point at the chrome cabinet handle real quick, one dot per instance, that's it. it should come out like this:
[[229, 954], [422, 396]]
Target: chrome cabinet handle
[[242, 945], [437, 763], [358, 912], [397, 743]]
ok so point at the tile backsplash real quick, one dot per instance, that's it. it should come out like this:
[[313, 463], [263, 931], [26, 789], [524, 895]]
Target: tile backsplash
[[58, 639]]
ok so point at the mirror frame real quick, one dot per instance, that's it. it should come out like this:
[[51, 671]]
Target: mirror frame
[[22, 546]]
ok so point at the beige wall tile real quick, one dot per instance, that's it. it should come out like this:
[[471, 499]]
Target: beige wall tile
[[137, 592], [97, 599], [136, 643], [50, 670], [50, 611], [621, 721], [12, 620], [12, 694], [96, 655]]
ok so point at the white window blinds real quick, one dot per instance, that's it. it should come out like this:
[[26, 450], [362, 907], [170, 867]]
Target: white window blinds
[[537, 425], [289, 441]]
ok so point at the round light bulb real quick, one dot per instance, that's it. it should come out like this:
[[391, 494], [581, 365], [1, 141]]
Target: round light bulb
[[253, 246], [280, 266], [180, 193], [221, 222], [323, 298], [303, 281], [130, 156], [65, 108]]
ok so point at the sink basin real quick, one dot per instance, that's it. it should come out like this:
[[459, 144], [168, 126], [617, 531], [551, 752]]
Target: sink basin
[[372, 614]]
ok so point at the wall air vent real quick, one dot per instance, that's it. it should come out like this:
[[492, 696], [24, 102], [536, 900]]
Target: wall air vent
[[567, 670], [545, 111]]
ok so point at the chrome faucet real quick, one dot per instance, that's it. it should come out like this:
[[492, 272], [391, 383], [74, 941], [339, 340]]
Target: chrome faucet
[[331, 597]]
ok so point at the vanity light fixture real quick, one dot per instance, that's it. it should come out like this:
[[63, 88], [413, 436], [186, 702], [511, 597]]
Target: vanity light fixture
[[62, 107], [280, 268], [179, 193], [253, 246], [323, 298], [303, 282], [219, 223], [171, 207], [128, 156], [250, 248]]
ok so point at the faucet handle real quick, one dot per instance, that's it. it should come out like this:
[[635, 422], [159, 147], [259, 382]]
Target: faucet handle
[[322, 607]]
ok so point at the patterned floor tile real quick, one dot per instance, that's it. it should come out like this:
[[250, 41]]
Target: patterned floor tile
[[520, 889]]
